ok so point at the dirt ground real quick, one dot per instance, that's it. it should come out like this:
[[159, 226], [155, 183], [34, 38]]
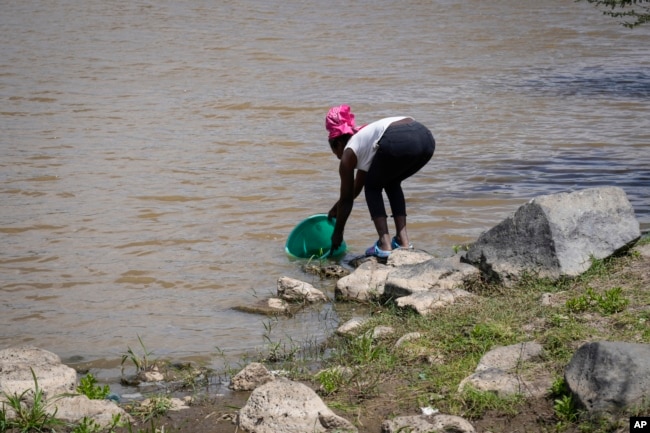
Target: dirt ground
[[215, 414]]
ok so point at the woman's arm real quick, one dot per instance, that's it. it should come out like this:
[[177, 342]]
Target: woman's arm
[[350, 188]]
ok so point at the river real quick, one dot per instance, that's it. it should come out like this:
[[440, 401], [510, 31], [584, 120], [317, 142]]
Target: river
[[156, 154]]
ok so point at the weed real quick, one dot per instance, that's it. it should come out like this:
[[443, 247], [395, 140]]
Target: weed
[[565, 409], [476, 403], [88, 425], [88, 387], [140, 362], [330, 380], [29, 410], [153, 407], [610, 303]]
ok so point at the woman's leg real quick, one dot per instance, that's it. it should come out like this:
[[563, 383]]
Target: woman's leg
[[404, 151]]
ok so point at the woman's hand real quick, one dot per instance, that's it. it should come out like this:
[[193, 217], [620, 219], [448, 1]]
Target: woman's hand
[[337, 240]]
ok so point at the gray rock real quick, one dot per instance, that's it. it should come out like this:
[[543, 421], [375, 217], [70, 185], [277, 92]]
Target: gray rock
[[293, 290], [16, 365], [58, 383], [427, 424], [407, 337], [608, 376], [402, 257], [365, 283], [499, 371], [352, 326], [284, 406], [252, 376], [74, 409], [445, 274], [509, 358], [382, 331], [556, 235], [427, 302]]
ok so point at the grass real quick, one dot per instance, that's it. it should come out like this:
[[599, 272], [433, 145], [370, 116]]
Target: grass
[[29, 411], [605, 303]]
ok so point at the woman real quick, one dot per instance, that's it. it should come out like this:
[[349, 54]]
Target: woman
[[383, 153]]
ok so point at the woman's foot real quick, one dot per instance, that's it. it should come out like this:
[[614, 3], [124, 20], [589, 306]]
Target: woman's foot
[[395, 244], [377, 252]]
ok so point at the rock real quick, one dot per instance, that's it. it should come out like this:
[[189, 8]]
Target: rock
[[267, 307], [365, 283], [402, 257], [499, 371], [284, 406], [426, 424], [351, 326], [407, 337], [406, 273], [150, 376], [17, 364], [293, 290], [252, 376], [382, 331], [175, 404], [74, 409], [557, 235], [605, 377], [427, 302], [509, 358], [433, 274], [58, 383]]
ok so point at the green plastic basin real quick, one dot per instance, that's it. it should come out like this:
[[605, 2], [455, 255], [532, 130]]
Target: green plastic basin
[[312, 238]]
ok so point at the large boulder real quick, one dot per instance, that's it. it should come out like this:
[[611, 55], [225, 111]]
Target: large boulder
[[557, 235], [284, 406], [609, 376]]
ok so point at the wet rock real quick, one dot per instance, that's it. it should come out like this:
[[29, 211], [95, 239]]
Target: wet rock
[[293, 290], [267, 307], [326, 271]]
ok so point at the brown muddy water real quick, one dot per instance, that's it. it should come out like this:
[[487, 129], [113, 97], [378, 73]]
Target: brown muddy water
[[156, 154]]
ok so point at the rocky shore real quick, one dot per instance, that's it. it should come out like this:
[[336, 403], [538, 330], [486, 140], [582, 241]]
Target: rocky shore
[[557, 236]]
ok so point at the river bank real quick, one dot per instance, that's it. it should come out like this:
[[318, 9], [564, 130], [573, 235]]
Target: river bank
[[426, 373]]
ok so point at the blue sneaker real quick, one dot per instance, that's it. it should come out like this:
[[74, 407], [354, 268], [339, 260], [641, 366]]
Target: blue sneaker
[[377, 252], [395, 245]]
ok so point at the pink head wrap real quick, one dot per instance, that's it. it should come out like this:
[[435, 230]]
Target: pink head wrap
[[339, 121]]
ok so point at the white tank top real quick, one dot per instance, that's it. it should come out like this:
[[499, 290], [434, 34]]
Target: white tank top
[[364, 143]]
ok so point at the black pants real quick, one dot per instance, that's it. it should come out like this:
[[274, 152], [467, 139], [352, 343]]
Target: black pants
[[403, 150]]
